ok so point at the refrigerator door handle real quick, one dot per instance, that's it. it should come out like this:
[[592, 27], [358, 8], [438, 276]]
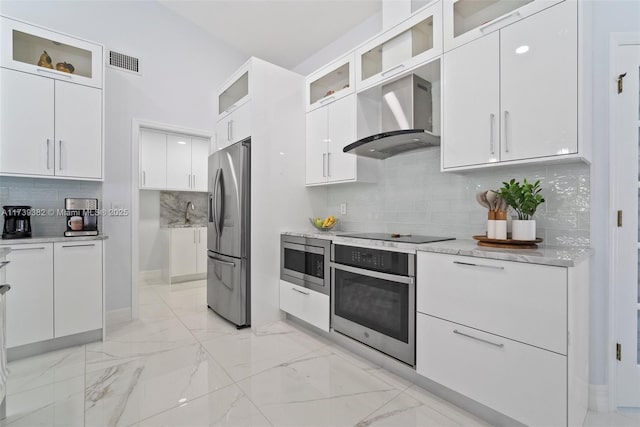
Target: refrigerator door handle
[[210, 207], [221, 195], [215, 202]]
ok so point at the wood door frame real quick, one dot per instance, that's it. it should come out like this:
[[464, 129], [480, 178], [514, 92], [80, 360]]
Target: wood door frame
[[616, 41]]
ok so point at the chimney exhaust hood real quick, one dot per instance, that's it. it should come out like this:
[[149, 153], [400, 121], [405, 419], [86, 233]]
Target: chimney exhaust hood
[[407, 125]]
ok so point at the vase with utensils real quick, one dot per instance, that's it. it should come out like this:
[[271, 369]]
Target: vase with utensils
[[497, 215]]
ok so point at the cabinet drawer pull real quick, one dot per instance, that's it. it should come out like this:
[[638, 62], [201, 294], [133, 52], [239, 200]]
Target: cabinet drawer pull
[[48, 167], [78, 246], [506, 133], [495, 267], [4, 289], [489, 24], [393, 70], [455, 331], [300, 292], [144, 178], [28, 249], [60, 155], [492, 118], [324, 164], [3, 263]]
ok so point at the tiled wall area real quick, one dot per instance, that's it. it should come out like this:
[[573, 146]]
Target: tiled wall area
[[413, 196], [49, 195], [173, 207]]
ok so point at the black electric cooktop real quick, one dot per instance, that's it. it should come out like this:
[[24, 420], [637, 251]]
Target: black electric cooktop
[[404, 238]]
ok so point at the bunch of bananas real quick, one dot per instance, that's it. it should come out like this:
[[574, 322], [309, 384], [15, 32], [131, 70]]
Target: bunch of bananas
[[328, 222]]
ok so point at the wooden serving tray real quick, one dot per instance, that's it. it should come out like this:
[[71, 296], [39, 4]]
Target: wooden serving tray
[[508, 243]]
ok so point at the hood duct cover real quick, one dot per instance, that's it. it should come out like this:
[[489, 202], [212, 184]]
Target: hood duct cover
[[407, 125]]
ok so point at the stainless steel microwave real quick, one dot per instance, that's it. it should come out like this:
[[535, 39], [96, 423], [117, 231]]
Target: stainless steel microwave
[[305, 262]]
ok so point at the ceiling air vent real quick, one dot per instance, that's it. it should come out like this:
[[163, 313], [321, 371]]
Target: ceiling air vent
[[124, 62]]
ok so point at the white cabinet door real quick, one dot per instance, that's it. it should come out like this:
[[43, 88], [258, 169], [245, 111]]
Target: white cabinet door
[[27, 130], [153, 159], [30, 301], [341, 132], [539, 84], [78, 287], [240, 123], [331, 82], [310, 306], [201, 250], [183, 251], [199, 164], [178, 162], [471, 110], [78, 130], [316, 156]]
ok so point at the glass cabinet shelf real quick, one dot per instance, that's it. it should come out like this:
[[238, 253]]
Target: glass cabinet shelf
[[234, 93]]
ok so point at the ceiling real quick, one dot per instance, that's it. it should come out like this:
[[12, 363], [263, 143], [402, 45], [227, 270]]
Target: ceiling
[[284, 32]]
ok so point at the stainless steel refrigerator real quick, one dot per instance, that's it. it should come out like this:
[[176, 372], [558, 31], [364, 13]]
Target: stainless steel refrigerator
[[229, 233]]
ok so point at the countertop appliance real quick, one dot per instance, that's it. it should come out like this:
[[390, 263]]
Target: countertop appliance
[[229, 233], [304, 262], [17, 222], [82, 217], [373, 298], [407, 121], [404, 238]]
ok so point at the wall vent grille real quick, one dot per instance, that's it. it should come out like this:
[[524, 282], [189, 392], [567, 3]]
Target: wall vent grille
[[125, 62]]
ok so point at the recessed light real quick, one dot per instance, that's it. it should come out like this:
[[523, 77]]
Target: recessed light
[[372, 149], [522, 49], [182, 143]]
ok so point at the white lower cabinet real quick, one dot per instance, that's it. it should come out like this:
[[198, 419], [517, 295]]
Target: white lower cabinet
[[305, 304], [188, 251], [518, 380], [78, 287]]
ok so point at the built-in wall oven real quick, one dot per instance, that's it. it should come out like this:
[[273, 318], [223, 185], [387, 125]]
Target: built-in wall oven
[[304, 262], [373, 298]]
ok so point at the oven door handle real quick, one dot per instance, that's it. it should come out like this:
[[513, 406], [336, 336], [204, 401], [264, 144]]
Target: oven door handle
[[407, 280]]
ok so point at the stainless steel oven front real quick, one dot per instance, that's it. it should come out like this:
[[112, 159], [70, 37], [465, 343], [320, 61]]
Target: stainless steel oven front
[[373, 298], [305, 262]]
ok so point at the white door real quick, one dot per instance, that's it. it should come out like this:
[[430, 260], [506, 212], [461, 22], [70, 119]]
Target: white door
[[539, 71], [30, 301], [183, 251], [625, 132], [78, 131], [201, 250], [199, 163], [342, 131], [471, 110], [78, 287], [178, 162], [316, 157], [153, 159], [26, 114]]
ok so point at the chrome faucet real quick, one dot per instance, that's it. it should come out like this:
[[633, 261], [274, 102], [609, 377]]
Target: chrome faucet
[[186, 212]]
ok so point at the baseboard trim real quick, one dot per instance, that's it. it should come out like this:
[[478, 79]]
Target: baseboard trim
[[36, 348], [599, 398], [150, 275], [118, 316]]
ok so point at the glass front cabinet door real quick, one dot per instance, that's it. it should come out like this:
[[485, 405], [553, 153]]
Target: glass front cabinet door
[[330, 83]]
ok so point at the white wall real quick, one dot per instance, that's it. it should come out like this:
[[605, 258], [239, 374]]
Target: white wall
[[182, 67], [151, 252]]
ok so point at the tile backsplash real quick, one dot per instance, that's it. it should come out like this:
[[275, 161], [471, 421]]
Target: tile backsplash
[[47, 195], [173, 205], [413, 196]]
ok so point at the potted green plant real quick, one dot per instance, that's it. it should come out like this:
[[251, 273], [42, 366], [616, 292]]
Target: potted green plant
[[524, 199]]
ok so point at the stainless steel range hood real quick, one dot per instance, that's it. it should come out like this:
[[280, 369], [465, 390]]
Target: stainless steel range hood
[[407, 113]]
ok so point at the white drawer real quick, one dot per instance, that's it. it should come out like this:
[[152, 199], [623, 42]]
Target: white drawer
[[523, 302], [518, 380], [305, 304]]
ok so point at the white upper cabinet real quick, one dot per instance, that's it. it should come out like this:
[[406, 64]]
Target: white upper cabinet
[[178, 162], [401, 48], [234, 126], [527, 105], [467, 20], [316, 154], [26, 48], [199, 163], [331, 82], [153, 159]]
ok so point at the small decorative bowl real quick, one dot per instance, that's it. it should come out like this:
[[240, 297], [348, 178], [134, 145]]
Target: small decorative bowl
[[323, 228]]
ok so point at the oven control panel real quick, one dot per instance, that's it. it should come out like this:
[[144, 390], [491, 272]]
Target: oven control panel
[[399, 263]]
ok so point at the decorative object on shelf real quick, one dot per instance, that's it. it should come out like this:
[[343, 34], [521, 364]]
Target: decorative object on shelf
[[325, 224], [524, 199], [45, 60], [507, 243], [497, 215], [330, 92], [65, 67]]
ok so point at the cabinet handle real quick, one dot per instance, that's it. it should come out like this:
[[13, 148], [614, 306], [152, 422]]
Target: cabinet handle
[[41, 248], [495, 267], [78, 246], [48, 141], [482, 28], [144, 178], [328, 164], [189, 180], [60, 155], [455, 331], [194, 181], [324, 162], [506, 135], [492, 118], [300, 292], [393, 70], [194, 237], [230, 130], [327, 99], [4, 289], [58, 74], [3, 263]]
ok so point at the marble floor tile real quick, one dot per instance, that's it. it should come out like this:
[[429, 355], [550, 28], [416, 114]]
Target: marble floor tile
[[207, 325], [125, 393], [440, 405], [226, 407]]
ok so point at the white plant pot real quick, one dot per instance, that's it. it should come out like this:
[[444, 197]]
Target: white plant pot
[[523, 229]]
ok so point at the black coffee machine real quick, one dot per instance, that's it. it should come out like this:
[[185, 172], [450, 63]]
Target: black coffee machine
[[17, 222]]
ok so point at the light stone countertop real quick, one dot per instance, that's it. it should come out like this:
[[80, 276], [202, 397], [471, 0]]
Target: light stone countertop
[[190, 225], [50, 239], [560, 256]]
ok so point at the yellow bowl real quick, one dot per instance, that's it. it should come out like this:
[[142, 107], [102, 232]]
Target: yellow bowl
[[323, 228]]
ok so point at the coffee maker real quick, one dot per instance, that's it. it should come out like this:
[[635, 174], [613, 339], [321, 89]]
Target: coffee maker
[[17, 222], [82, 217]]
